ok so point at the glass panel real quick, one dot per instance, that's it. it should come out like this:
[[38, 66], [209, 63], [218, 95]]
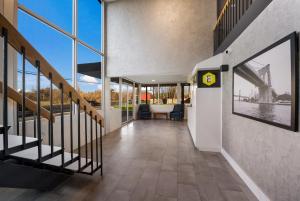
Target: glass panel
[[124, 102], [130, 102], [137, 94], [89, 22], [155, 95], [55, 47], [30, 83], [143, 95], [31, 88], [168, 94], [187, 94], [150, 95], [58, 12], [114, 94], [89, 76]]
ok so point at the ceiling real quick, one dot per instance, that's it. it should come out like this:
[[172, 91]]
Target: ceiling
[[158, 39], [155, 79]]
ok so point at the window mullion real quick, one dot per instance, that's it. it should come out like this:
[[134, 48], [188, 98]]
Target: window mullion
[[74, 48]]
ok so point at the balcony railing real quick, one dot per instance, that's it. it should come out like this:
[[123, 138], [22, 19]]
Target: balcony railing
[[230, 15]]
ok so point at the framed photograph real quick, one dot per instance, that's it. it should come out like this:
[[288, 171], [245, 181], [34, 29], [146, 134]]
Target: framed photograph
[[265, 86]]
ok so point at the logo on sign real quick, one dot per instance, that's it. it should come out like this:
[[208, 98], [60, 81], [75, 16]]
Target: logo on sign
[[209, 79]]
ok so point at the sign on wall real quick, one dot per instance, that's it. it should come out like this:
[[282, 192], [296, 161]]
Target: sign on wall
[[209, 79]]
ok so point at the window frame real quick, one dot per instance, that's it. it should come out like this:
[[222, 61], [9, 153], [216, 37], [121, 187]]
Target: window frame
[[156, 99], [74, 37]]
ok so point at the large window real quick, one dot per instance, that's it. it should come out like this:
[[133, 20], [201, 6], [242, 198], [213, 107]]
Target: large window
[[137, 92], [53, 45], [143, 95], [168, 94], [115, 92], [130, 102], [159, 94], [58, 12], [149, 94], [127, 100], [187, 94], [75, 54], [59, 56], [89, 22], [89, 75]]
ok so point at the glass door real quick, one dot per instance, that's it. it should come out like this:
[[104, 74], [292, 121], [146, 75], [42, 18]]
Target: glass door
[[130, 102], [127, 102], [124, 102]]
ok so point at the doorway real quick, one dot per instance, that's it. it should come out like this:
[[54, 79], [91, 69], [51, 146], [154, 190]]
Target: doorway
[[127, 102]]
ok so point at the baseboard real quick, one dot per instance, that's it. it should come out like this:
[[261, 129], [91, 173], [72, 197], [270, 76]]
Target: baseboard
[[209, 149], [191, 137], [260, 195]]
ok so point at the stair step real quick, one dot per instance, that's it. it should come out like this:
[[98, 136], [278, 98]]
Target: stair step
[[15, 141], [32, 153], [88, 170], [56, 161], [74, 166]]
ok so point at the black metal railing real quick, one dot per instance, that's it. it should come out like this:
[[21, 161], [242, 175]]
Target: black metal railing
[[65, 90], [5, 91], [230, 15]]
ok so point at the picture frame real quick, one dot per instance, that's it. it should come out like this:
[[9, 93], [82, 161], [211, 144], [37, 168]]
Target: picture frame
[[264, 92]]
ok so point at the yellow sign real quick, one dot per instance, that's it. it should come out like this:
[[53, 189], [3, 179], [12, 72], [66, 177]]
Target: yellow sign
[[209, 79]]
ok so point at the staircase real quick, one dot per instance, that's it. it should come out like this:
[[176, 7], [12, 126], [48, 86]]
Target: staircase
[[29, 150]]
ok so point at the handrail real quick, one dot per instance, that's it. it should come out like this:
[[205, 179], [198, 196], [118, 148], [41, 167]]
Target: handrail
[[222, 13], [31, 105], [18, 42]]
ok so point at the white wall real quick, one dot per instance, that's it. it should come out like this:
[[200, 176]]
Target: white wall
[[161, 108], [204, 114], [57, 130], [208, 119], [113, 116], [115, 119], [268, 154], [158, 37]]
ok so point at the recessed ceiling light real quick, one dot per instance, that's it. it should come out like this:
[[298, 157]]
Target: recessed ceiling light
[[153, 80]]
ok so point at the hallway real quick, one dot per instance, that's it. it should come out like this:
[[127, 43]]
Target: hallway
[[149, 160]]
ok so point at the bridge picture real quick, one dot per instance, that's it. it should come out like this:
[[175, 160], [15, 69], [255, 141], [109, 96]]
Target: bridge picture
[[263, 86]]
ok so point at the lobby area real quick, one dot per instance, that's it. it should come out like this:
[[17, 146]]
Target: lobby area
[[149, 100], [144, 164]]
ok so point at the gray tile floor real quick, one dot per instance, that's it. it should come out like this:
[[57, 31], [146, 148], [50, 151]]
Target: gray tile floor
[[150, 160]]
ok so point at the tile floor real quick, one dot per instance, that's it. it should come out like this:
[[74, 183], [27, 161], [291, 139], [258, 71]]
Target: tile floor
[[151, 160]]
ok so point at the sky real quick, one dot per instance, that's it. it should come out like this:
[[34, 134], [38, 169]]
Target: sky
[[55, 46], [279, 59]]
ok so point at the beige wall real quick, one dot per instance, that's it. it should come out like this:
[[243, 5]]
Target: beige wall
[[158, 37], [268, 154]]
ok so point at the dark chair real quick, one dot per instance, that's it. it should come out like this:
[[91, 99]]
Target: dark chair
[[144, 112], [2, 129], [177, 113]]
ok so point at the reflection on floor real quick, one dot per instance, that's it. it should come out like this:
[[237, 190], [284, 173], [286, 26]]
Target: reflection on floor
[[149, 160]]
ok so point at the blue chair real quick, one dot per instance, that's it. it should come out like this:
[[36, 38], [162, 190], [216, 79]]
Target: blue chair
[[177, 113], [144, 112]]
